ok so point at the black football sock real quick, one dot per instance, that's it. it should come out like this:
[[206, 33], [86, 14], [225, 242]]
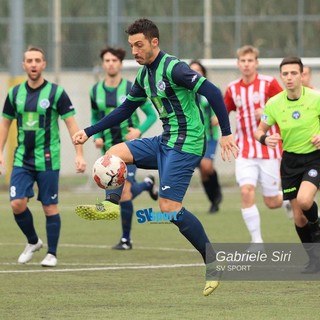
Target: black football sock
[[304, 233], [25, 222], [312, 213], [208, 189], [215, 187]]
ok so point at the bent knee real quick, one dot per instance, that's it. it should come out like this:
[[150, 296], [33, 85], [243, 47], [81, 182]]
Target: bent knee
[[18, 205], [167, 205]]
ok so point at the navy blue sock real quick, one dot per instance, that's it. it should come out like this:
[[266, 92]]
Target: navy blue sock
[[138, 187], [126, 218], [193, 230], [53, 226], [25, 222], [114, 195]]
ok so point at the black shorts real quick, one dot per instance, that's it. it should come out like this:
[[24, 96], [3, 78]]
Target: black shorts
[[296, 168]]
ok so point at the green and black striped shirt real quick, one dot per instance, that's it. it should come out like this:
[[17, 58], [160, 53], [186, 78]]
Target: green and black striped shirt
[[37, 112]]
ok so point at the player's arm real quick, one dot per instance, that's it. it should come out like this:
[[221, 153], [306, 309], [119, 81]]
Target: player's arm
[[95, 116], [228, 101], [261, 135], [215, 99], [4, 131], [95, 113], [135, 98], [73, 128], [274, 88], [184, 76]]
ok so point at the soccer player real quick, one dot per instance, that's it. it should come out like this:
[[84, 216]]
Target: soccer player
[[296, 110], [172, 87], [105, 96], [37, 104], [247, 96], [209, 175]]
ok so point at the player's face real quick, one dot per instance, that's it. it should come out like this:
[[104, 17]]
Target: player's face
[[34, 64], [143, 50], [291, 76], [248, 64], [111, 64]]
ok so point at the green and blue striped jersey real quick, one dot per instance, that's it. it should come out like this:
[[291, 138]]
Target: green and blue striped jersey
[[37, 112], [171, 86]]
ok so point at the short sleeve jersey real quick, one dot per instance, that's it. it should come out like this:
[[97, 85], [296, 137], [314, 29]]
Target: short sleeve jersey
[[171, 86], [245, 99], [298, 120], [37, 112]]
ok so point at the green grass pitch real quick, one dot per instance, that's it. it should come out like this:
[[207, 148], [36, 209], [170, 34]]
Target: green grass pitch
[[161, 278]]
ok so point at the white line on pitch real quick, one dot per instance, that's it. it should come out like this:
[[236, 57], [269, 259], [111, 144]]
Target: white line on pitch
[[97, 246], [162, 266]]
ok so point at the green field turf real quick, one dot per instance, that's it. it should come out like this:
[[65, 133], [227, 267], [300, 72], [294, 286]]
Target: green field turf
[[161, 278]]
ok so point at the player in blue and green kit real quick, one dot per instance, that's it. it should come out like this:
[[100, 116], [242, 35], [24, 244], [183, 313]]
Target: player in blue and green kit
[[172, 87], [209, 175], [37, 104], [105, 96], [296, 110]]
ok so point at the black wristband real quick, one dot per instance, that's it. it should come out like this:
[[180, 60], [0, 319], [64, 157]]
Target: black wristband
[[263, 139]]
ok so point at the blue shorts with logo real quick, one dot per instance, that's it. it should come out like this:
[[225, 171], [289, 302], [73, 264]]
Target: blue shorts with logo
[[22, 181], [175, 167]]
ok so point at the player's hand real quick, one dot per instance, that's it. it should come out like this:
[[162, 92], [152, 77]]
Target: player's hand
[[316, 141], [80, 164], [273, 140], [133, 133], [79, 137], [228, 147]]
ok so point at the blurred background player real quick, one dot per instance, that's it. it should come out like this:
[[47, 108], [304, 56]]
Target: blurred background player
[[37, 104], [105, 96], [306, 77], [208, 172], [247, 96]]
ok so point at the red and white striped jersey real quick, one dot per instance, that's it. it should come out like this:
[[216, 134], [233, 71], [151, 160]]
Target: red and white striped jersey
[[245, 99]]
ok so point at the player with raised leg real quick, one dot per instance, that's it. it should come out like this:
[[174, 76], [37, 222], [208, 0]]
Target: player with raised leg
[[172, 87]]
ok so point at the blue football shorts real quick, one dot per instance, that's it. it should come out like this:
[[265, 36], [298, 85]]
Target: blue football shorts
[[22, 181], [175, 167]]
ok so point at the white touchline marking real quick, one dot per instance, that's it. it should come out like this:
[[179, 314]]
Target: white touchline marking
[[162, 266], [97, 246]]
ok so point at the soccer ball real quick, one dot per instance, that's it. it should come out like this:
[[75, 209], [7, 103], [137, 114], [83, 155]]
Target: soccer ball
[[109, 172]]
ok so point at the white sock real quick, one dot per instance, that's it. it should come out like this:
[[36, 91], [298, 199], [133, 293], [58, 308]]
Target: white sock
[[251, 218]]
